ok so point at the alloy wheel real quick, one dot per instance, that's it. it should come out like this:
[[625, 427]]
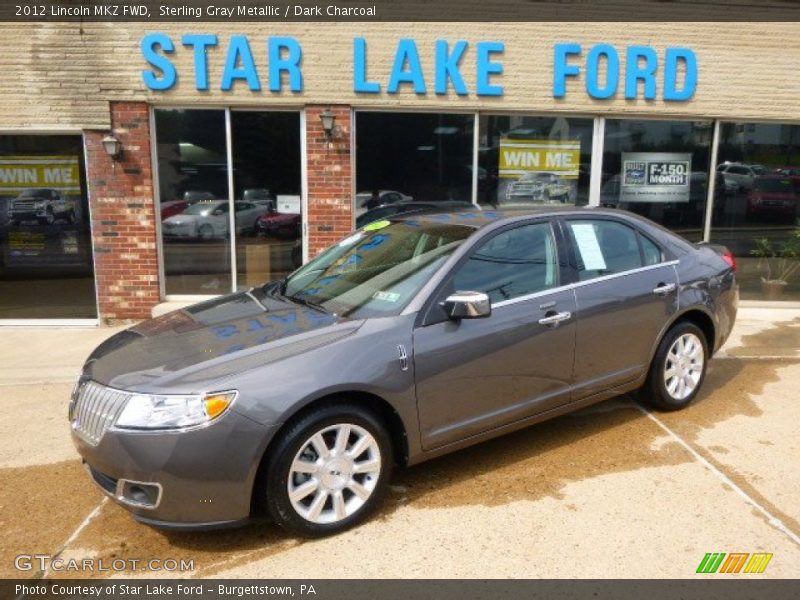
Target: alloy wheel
[[334, 473], [684, 366]]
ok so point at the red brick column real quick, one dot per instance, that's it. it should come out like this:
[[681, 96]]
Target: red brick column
[[123, 214], [330, 178]]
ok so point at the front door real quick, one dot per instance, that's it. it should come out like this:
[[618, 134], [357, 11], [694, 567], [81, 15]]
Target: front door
[[477, 374]]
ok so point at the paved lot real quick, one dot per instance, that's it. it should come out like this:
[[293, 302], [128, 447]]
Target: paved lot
[[612, 491]]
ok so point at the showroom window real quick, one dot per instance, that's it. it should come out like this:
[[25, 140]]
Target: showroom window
[[214, 238], [425, 157], [46, 264], [755, 211], [658, 169], [534, 160]]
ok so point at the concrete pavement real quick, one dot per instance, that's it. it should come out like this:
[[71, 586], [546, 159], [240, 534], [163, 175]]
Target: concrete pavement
[[611, 491]]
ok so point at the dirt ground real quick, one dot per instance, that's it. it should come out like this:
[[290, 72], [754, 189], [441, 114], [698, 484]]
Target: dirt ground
[[611, 491]]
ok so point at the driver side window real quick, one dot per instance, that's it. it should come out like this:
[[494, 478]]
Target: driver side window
[[513, 263]]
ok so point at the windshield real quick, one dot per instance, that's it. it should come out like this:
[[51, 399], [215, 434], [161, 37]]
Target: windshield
[[783, 186], [35, 194], [377, 270], [201, 208]]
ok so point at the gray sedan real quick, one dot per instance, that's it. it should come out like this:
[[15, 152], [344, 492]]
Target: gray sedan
[[409, 339]]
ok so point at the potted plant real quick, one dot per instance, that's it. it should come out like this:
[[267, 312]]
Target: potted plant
[[779, 261]]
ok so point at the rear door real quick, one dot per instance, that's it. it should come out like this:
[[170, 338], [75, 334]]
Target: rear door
[[477, 374], [626, 293]]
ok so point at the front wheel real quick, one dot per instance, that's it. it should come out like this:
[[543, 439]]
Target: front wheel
[[678, 369], [329, 470]]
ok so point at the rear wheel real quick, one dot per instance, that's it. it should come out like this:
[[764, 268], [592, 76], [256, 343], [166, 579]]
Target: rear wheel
[[329, 470], [678, 369]]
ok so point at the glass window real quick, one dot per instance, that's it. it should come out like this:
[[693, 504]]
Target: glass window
[[756, 207], [540, 160], [513, 263], [412, 156], [651, 254], [603, 247], [376, 272], [266, 183], [193, 191], [658, 169], [46, 266]]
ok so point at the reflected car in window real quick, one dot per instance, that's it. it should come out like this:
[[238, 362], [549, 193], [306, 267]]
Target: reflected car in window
[[365, 201], [280, 225], [412, 337], [772, 196], [208, 220]]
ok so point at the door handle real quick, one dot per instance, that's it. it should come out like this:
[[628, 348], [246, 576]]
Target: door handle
[[662, 289], [555, 319]]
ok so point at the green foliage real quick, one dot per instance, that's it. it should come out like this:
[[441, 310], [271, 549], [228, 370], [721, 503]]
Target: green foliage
[[780, 260]]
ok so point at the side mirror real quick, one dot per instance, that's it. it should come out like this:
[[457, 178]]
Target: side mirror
[[467, 305]]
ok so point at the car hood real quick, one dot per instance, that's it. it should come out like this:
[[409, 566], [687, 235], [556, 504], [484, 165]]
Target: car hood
[[186, 348]]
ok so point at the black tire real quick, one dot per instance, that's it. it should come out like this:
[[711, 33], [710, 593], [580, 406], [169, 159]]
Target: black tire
[[655, 391], [205, 232], [292, 440]]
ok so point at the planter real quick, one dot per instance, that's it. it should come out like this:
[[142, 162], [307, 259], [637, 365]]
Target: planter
[[772, 289]]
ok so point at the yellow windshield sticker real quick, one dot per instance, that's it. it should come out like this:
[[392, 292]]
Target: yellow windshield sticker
[[377, 225]]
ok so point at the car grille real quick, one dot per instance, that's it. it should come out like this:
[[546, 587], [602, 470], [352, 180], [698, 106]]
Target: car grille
[[23, 205], [95, 410]]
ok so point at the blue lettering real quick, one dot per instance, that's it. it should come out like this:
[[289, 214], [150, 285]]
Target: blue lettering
[[169, 76], [447, 67], [407, 53], [486, 68], [240, 49], [225, 331], [562, 69], [593, 71], [200, 42], [636, 72], [673, 58], [360, 82], [290, 63]]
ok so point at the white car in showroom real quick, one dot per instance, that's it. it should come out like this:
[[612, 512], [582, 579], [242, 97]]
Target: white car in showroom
[[209, 219]]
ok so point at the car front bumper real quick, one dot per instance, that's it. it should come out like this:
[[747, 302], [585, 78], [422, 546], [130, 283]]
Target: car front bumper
[[196, 478]]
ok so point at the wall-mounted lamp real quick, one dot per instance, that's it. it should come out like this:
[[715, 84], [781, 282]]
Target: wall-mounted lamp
[[112, 146], [328, 124]]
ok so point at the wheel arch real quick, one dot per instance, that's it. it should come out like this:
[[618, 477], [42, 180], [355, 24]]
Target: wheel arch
[[367, 400]]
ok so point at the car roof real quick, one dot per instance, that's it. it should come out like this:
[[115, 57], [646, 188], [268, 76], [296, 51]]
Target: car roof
[[482, 217]]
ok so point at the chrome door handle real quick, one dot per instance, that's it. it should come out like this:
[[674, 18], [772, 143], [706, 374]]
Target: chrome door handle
[[664, 289], [555, 319]]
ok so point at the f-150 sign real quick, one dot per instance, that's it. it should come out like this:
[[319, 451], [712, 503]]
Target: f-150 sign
[[655, 177]]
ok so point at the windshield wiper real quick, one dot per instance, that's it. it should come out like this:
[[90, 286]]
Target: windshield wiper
[[306, 302]]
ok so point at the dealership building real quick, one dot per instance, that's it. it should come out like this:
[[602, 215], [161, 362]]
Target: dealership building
[[148, 164]]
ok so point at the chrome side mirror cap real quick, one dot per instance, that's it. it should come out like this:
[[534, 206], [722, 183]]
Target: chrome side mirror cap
[[467, 305]]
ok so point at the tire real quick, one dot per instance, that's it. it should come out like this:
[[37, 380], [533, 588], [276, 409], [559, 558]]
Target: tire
[[205, 232], [335, 498], [685, 343]]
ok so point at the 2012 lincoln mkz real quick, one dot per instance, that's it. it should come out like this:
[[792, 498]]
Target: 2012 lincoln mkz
[[411, 338]]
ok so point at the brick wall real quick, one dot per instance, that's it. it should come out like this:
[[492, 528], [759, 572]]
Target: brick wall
[[123, 216], [330, 174]]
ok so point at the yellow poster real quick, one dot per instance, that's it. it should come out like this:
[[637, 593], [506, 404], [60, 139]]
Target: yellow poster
[[521, 156], [20, 173]]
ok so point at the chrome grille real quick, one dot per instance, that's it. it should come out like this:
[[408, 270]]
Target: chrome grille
[[95, 410]]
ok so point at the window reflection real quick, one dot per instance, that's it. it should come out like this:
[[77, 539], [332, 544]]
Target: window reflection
[[658, 169], [266, 183], [46, 266], [757, 213], [193, 190], [534, 160]]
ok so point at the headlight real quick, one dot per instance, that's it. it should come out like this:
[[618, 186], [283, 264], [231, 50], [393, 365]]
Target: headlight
[[143, 411], [39, 204]]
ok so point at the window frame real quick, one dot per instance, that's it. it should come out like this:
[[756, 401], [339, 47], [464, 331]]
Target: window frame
[[572, 251], [431, 312]]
